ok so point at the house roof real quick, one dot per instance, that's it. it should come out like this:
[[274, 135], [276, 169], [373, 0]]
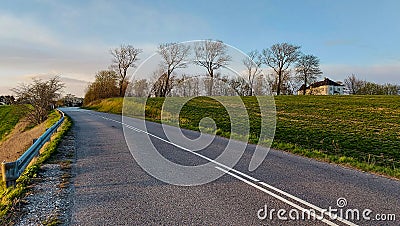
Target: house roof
[[325, 82]]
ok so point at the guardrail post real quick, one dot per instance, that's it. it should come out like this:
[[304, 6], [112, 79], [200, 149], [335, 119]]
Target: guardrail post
[[9, 172]]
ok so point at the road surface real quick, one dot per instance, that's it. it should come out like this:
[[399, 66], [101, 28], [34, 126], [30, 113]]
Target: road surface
[[110, 188]]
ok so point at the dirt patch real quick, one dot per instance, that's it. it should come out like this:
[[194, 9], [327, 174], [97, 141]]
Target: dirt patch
[[19, 140]]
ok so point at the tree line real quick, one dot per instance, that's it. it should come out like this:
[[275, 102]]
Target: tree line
[[289, 69], [357, 86], [210, 55], [7, 100]]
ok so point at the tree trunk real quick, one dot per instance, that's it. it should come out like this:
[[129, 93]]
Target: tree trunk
[[305, 86], [210, 88], [251, 89], [121, 84], [278, 89], [166, 87]]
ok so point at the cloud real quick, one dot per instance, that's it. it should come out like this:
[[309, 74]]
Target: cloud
[[379, 73], [73, 39], [25, 30], [5, 90], [72, 85], [79, 62], [339, 42]]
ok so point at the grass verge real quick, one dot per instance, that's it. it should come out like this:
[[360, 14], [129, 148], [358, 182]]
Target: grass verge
[[10, 198]]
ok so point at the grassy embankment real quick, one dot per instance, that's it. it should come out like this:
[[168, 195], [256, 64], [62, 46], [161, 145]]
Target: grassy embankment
[[9, 117], [362, 132], [11, 197]]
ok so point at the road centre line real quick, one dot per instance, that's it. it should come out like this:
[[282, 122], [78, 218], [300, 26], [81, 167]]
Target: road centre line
[[180, 147], [308, 204], [275, 196], [228, 169]]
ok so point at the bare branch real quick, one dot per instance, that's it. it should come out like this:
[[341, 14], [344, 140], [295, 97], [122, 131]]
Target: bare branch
[[211, 55], [253, 65], [39, 97], [174, 56], [307, 70], [279, 57], [124, 58]]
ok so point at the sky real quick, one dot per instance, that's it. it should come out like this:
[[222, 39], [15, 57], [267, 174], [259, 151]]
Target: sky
[[72, 38]]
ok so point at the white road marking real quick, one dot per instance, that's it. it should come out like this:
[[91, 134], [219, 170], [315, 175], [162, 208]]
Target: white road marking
[[244, 180], [180, 147], [332, 216], [277, 196]]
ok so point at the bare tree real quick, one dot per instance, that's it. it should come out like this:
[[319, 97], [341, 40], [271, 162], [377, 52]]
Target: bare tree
[[353, 84], [195, 84], [158, 83], [260, 86], [174, 56], [371, 88], [69, 99], [39, 97], [186, 85], [285, 83], [221, 85], [391, 89], [240, 86], [279, 57], [140, 87], [211, 55], [307, 70], [183, 86], [290, 85], [253, 65], [124, 58], [8, 100]]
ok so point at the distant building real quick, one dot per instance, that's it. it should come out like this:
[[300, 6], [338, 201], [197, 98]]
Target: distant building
[[325, 87]]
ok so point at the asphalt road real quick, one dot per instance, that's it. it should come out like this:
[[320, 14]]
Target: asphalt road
[[110, 188]]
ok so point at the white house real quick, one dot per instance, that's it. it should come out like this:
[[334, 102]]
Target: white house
[[325, 87]]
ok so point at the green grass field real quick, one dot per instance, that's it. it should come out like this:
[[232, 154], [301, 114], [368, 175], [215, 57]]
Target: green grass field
[[9, 117], [363, 127], [357, 131]]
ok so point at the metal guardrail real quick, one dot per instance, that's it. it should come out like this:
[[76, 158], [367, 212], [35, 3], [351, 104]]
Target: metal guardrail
[[11, 171]]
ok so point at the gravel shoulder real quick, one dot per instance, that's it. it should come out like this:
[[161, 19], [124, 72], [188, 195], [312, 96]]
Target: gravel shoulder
[[49, 200]]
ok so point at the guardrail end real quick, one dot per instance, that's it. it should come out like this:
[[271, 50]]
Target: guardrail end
[[11, 183], [8, 170]]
